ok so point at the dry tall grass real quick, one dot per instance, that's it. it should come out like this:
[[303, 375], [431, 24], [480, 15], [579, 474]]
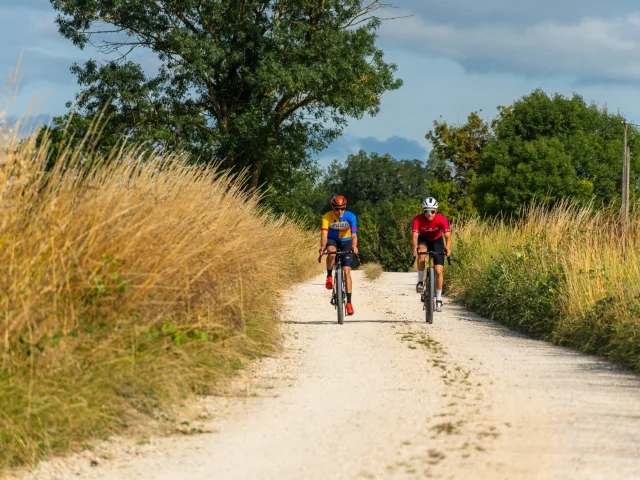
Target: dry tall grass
[[372, 271], [570, 274], [125, 285]]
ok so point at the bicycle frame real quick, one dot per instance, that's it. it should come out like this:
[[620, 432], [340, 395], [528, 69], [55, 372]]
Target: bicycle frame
[[428, 296], [339, 294]]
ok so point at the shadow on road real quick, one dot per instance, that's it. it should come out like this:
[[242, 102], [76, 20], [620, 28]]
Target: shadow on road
[[330, 322], [545, 349]]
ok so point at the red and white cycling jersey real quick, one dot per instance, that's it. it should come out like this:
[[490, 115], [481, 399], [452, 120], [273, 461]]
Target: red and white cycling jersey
[[431, 230]]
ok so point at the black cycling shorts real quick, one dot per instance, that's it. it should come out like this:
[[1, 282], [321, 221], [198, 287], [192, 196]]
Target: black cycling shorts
[[436, 245], [342, 245]]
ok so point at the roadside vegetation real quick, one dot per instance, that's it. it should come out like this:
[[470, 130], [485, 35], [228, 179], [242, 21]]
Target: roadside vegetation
[[126, 285], [372, 271], [569, 274]]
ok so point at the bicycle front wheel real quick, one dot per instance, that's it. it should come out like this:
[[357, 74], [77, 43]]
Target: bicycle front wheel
[[429, 294], [340, 306]]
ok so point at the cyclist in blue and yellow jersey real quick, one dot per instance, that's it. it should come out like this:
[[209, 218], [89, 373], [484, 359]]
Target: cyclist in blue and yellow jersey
[[339, 232]]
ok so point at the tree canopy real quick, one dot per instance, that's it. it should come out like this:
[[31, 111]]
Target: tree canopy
[[454, 162], [257, 84], [369, 179], [551, 148], [543, 147]]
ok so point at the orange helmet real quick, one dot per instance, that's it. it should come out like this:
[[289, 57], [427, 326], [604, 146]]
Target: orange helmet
[[338, 201]]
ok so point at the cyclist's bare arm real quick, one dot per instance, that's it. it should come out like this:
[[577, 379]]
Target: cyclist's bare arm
[[354, 242], [415, 243], [323, 242], [447, 242]]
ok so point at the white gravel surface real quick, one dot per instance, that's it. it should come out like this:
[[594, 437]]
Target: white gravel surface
[[387, 396]]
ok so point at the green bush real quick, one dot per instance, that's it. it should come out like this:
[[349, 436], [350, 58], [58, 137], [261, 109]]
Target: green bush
[[611, 327], [518, 288]]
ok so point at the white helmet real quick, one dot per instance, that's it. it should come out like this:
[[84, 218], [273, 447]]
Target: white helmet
[[430, 202]]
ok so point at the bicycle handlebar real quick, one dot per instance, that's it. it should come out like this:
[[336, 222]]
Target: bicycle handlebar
[[338, 252]]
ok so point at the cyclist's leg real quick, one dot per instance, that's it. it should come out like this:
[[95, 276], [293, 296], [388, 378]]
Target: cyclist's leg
[[439, 276], [347, 262], [422, 260], [331, 247], [438, 246], [422, 247], [347, 278], [439, 284], [331, 260], [438, 260]]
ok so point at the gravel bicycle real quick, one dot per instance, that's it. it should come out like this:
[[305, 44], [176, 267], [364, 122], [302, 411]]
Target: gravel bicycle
[[339, 294], [428, 295]]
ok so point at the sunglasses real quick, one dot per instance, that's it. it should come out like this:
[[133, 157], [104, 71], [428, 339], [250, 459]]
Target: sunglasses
[[339, 209], [429, 212]]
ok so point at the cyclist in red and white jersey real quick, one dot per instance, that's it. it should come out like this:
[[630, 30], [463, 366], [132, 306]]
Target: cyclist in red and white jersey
[[431, 232]]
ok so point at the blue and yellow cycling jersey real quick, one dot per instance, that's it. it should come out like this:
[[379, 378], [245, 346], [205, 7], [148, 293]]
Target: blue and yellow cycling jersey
[[339, 229]]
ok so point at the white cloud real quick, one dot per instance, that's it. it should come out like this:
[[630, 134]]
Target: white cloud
[[590, 49], [515, 12]]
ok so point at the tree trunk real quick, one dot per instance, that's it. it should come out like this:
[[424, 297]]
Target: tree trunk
[[258, 165], [256, 171]]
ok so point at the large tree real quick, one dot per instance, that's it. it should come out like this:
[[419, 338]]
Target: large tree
[[258, 84], [550, 148], [369, 179], [441, 184], [454, 162]]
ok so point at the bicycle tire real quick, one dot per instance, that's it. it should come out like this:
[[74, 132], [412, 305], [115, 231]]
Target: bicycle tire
[[430, 293], [340, 306], [344, 294]]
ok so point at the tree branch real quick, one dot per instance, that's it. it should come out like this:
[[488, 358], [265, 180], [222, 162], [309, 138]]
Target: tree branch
[[205, 129], [185, 20], [212, 94], [365, 14], [301, 104], [205, 23]]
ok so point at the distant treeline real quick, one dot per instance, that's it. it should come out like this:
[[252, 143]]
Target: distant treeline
[[542, 148]]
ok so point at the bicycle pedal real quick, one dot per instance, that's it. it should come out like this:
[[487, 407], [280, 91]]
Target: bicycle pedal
[[333, 301]]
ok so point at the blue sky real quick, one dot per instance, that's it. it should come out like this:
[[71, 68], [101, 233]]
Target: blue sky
[[455, 56]]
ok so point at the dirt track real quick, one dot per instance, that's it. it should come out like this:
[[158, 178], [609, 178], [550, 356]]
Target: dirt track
[[387, 396]]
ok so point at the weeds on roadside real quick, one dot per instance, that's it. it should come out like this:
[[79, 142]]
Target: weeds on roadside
[[567, 274], [372, 271]]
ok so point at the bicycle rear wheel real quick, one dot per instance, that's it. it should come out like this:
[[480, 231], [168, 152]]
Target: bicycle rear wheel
[[340, 306], [429, 294]]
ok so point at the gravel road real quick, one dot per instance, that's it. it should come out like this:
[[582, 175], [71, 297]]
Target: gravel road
[[387, 396]]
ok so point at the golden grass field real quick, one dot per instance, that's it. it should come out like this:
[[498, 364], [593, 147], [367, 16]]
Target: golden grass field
[[127, 284]]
